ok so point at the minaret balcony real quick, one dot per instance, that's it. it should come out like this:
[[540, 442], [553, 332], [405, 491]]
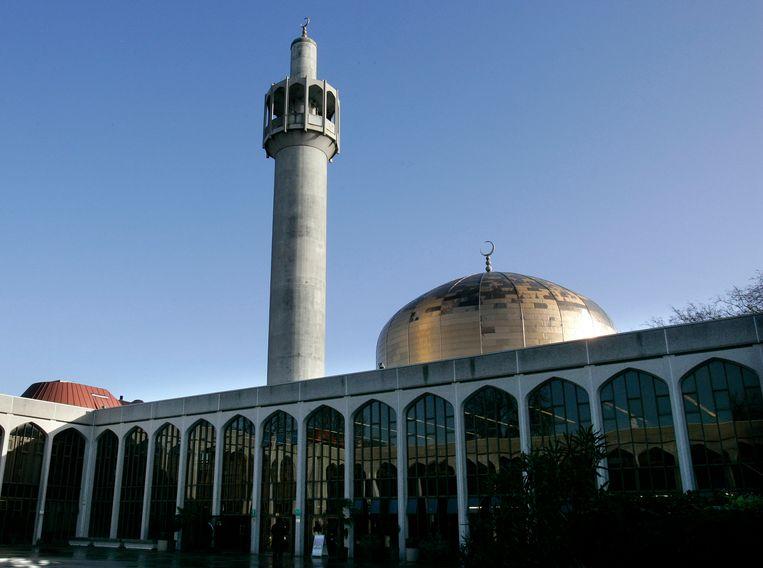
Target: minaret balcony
[[285, 105]]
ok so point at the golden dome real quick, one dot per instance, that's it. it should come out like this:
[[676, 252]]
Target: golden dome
[[484, 313]]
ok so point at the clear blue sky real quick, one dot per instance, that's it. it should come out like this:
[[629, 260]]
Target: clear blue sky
[[612, 147]]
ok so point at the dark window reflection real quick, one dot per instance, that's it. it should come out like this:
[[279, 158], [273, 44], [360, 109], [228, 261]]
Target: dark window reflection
[[279, 484], [375, 475], [21, 484], [102, 501], [133, 483], [491, 430], [164, 483], [324, 479], [431, 441], [64, 483], [724, 419], [557, 408], [638, 426]]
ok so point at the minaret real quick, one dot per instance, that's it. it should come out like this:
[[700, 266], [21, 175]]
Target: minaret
[[302, 134]]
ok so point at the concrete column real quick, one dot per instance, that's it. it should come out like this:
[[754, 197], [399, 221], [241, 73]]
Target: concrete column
[[146, 513], [297, 333], [683, 447], [257, 484], [86, 487], [182, 467], [217, 480], [598, 425], [461, 488], [349, 469], [117, 487], [402, 480], [299, 533], [525, 440], [304, 58], [3, 453], [45, 473]]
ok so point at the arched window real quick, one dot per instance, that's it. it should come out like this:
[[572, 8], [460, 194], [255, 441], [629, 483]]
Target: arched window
[[268, 117], [200, 467], [431, 442], [279, 106], [21, 484], [638, 427], [724, 419], [64, 483], [296, 102], [557, 408], [324, 479], [236, 491], [198, 487], [491, 430], [278, 485], [315, 100], [375, 472], [102, 501], [164, 483], [133, 483], [238, 467], [330, 106]]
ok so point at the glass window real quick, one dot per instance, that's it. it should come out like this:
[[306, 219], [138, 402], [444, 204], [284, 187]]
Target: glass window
[[164, 483], [279, 485], [724, 420], [235, 528], [64, 483], [375, 474], [133, 483], [102, 500], [557, 408], [238, 467], [638, 428], [200, 467], [324, 479], [431, 439], [21, 484], [491, 431]]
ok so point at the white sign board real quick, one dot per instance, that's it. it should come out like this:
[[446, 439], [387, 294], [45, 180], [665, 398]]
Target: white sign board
[[319, 545]]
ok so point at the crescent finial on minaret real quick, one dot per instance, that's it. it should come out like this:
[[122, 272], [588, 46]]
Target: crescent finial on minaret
[[304, 26]]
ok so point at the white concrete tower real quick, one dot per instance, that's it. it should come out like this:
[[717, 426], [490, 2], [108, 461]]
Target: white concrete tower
[[302, 134]]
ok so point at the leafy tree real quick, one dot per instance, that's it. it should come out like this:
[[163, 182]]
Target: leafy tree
[[735, 302]]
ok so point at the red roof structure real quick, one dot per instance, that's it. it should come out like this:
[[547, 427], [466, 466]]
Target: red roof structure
[[64, 392]]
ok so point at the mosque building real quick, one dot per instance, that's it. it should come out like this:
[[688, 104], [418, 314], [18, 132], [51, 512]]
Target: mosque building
[[469, 375]]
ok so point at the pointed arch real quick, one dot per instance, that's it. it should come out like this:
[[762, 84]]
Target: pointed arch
[[723, 407], [64, 485], [21, 483], [375, 442], [102, 497], [164, 482], [133, 483], [324, 477], [637, 418], [431, 446], [557, 408], [278, 486], [315, 100], [491, 432]]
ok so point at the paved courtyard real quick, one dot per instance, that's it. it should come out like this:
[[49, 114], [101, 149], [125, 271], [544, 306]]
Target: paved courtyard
[[92, 557]]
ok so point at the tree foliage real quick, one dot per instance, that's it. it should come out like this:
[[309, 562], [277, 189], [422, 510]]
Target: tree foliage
[[735, 302]]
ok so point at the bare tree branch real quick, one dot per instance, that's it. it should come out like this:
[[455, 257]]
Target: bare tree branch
[[735, 302]]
